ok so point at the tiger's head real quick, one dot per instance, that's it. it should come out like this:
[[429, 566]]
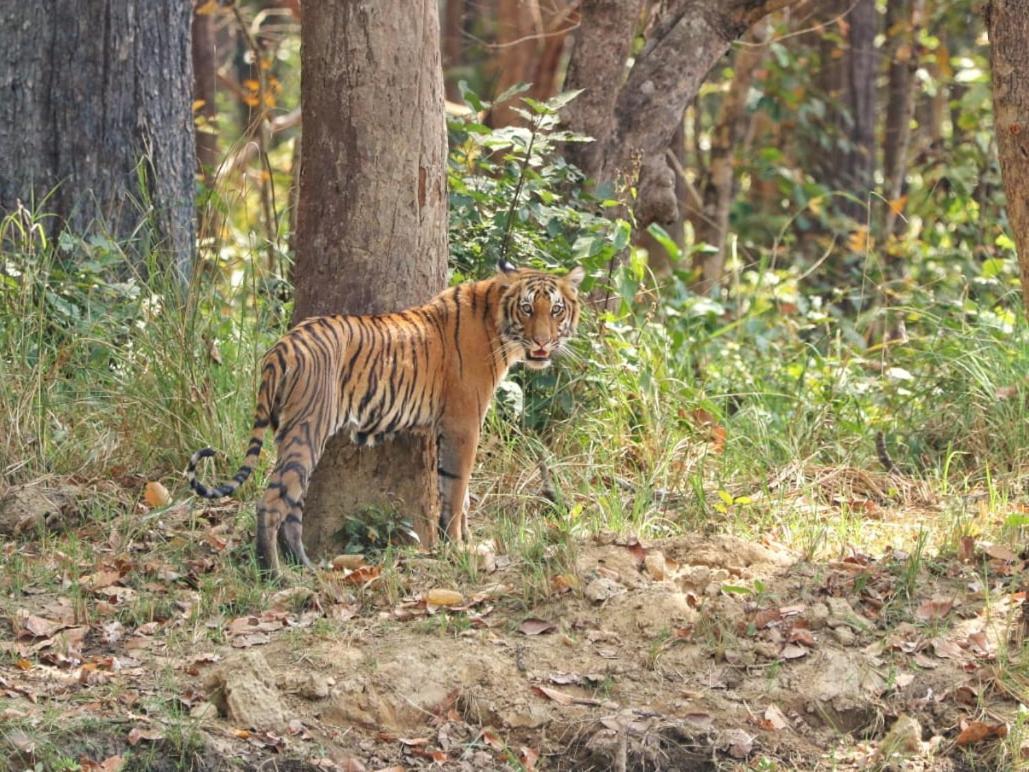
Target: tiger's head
[[538, 311]]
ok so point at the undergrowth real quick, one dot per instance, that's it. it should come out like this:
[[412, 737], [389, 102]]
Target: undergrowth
[[755, 410]]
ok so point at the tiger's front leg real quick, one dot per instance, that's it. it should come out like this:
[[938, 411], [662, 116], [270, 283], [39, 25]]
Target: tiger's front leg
[[457, 446]]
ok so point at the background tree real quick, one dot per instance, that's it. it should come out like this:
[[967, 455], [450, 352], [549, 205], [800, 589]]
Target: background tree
[[96, 97], [1009, 57], [634, 115], [372, 220]]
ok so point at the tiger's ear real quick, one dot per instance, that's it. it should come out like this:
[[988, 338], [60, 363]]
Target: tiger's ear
[[506, 266], [575, 276]]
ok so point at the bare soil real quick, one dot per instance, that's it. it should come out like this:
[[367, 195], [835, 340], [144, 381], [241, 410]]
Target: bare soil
[[703, 652]]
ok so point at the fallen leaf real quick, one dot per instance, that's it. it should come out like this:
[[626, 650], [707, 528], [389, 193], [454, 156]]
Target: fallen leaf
[[946, 649], [561, 583], [1000, 552], [534, 626], [444, 598], [20, 740], [936, 608], [561, 698], [493, 740], [977, 731], [141, 733], [765, 617], [99, 580], [156, 495], [347, 562], [966, 549], [802, 636], [528, 757], [31, 626], [363, 575], [110, 764], [792, 651], [774, 719]]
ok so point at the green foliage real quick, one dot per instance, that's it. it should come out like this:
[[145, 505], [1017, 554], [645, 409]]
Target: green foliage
[[512, 195]]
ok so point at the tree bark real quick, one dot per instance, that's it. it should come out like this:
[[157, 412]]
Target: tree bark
[[531, 37], [902, 19], [849, 82], [371, 221], [453, 45], [90, 88], [634, 117], [1009, 59], [597, 66], [205, 91], [719, 187]]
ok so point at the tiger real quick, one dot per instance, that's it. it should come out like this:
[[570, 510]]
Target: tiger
[[430, 368]]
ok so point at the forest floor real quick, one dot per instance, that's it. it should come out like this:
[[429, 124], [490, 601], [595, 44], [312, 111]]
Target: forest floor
[[142, 640]]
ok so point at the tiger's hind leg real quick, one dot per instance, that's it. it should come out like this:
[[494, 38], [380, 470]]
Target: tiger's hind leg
[[280, 513]]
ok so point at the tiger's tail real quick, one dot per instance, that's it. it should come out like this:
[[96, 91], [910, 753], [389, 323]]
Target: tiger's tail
[[266, 414], [227, 488]]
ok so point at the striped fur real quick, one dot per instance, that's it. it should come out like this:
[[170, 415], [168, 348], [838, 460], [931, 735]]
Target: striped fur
[[434, 367]]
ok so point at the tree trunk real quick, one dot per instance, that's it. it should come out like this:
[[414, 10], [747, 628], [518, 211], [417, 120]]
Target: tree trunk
[[517, 30], [90, 89], [1009, 59], [849, 82], [719, 187], [634, 117], [205, 90], [453, 45], [371, 221], [902, 19], [531, 37]]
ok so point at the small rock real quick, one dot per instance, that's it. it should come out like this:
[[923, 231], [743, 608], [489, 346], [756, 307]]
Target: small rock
[[840, 612], [904, 738], [245, 693], [315, 686], [844, 635], [602, 588], [817, 616], [204, 711], [656, 566]]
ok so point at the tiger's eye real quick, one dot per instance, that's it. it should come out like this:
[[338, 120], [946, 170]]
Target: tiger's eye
[[526, 308], [557, 310]]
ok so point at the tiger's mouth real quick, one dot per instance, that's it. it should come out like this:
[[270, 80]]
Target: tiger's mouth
[[537, 358]]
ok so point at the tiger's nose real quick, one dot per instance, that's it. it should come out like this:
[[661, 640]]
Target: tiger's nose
[[541, 342]]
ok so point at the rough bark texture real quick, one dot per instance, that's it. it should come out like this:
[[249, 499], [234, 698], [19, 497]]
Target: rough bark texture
[[597, 66], [1009, 57], [371, 220], [88, 88], [849, 82]]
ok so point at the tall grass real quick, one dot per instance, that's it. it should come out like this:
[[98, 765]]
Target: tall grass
[[109, 365]]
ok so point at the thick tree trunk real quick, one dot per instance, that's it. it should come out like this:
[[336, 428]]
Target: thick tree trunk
[[849, 82], [88, 90], [371, 221], [1009, 58]]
